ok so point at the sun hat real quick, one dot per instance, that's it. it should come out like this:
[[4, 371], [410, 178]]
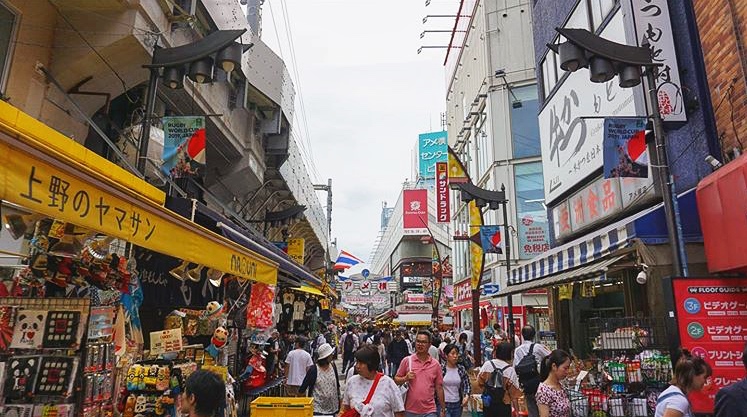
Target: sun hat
[[324, 350]]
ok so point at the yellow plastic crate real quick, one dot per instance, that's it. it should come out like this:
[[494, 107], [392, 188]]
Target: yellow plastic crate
[[282, 407]]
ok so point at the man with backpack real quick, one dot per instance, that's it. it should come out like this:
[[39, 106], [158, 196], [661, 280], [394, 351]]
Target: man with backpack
[[527, 358], [349, 343], [499, 382]]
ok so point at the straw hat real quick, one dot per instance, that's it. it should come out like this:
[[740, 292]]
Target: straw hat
[[324, 350]]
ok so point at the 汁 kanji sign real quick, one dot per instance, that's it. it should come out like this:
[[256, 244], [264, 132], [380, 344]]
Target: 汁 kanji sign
[[712, 322]]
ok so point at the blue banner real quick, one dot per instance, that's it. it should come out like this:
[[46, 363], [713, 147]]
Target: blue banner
[[491, 239], [625, 150], [432, 148]]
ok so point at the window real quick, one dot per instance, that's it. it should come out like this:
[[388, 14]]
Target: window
[[531, 213], [525, 136], [8, 20], [579, 19], [599, 11]]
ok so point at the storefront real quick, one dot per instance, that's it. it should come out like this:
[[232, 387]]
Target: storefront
[[603, 309], [94, 241]]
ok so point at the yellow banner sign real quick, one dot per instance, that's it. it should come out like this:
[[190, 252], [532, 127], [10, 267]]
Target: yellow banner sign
[[61, 192], [477, 255], [296, 249]]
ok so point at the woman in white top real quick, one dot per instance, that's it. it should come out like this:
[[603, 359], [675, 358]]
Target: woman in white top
[[323, 384], [690, 374], [386, 400]]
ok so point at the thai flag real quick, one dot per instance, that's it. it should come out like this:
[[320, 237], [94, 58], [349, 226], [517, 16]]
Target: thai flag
[[345, 261]]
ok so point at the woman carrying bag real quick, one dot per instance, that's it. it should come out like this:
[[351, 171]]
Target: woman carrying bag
[[690, 374], [370, 393], [457, 387], [323, 383]]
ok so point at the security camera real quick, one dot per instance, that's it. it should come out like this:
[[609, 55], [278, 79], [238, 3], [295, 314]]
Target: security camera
[[642, 276], [713, 162]]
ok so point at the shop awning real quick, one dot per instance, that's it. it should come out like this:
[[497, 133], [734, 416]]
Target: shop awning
[[52, 174], [589, 271], [722, 202], [309, 290], [648, 226], [211, 219]]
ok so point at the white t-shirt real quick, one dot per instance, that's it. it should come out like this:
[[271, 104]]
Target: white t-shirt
[[675, 400], [433, 351], [386, 400], [298, 361], [539, 351], [452, 382], [509, 372]]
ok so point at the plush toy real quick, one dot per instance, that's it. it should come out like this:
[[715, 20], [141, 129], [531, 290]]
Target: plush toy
[[213, 310], [220, 337]]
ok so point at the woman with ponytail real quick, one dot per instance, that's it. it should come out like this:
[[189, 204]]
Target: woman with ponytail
[[690, 374], [552, 400]]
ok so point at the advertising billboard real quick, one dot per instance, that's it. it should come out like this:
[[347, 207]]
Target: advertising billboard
[[712, 323], [432, 148], [415, 212], [442, 192]]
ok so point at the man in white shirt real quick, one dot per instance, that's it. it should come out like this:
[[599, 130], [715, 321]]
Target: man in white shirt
[[297, 364], [539, 351]]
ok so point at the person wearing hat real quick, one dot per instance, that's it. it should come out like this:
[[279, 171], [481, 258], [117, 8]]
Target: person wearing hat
[[323, 383]]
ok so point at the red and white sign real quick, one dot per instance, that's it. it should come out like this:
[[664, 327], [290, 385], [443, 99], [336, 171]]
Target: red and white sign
[[712, 322], [442, 192], [415, 212], [463, 292], [415, 298]]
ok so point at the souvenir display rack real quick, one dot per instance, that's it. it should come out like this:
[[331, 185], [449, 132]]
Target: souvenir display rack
[[630, 366], [43, 344]]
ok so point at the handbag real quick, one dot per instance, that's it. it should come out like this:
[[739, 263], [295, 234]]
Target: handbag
[[352, 412], [406, 386]]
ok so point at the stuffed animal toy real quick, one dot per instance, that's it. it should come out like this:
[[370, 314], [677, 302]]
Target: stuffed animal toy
[[220, 337], [213, 310]]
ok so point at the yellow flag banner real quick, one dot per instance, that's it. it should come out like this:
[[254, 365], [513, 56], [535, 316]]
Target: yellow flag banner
[[296, 249]]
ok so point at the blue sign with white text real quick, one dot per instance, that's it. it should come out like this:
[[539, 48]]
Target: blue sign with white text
[[432, 148]]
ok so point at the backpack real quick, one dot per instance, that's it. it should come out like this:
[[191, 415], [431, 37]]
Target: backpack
[[349, 343], [495, 389], [526, 369]]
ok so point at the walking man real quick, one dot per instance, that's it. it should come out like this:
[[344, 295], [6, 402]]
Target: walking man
[[349, 343], [204, 393], [423, 374], [297, 364], [396, 351], [529, 372]]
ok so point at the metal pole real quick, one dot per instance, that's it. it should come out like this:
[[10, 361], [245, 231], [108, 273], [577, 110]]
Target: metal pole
[[666, 181], [150, 104], [507, 240], [476, 333]]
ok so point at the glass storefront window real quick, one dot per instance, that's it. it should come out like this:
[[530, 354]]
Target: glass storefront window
[[525, 136], [532, 227]]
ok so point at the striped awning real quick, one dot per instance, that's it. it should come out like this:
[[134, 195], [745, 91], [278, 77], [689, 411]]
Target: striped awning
[[587, 249], [589, 271]]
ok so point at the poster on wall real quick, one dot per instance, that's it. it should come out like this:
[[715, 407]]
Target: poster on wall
[[184, 146], [625, 149], [415, 212], [711, 317]]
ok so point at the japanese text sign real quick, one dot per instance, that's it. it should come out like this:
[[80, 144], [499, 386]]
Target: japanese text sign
[[712, 322], [165, 341], [296, 248], [462, 292], [442, 192], [432, 148], [91, 203], [415, 212]]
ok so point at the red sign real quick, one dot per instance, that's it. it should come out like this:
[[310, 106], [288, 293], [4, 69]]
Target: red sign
[[712, 322], [442, 192], [415, 212], [463, 292]]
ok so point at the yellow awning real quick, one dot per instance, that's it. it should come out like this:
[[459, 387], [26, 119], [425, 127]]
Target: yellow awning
[[339, 313], [309, 290], [52, 174]]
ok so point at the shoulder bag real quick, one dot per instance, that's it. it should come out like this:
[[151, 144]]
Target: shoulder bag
[[352, 412]]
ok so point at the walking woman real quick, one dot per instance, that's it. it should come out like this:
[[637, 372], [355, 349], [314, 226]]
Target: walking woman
[[370, 392], [552, 400], [456, 382], [323, 383], [690, 374], [465, 352]]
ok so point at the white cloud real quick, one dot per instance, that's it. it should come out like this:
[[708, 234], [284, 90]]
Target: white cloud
[[367, 94]]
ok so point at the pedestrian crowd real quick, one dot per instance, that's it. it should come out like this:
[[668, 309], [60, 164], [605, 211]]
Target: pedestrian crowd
[[427, 374]]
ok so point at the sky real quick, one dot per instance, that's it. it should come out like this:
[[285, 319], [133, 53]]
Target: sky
[[367, 94]]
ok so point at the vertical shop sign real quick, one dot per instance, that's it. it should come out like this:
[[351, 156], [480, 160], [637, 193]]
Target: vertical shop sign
[[432, 148], [442, 192], [415, 212], [184, 146], [652, 23], [462, 292], [712, 322], [296, 249]]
